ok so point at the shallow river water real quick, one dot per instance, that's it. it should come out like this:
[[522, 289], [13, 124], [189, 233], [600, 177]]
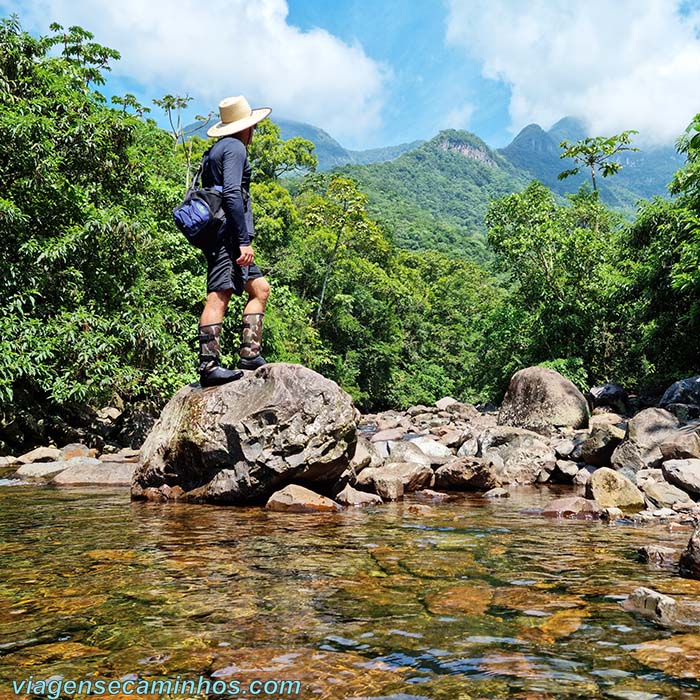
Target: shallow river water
[[462, 600]]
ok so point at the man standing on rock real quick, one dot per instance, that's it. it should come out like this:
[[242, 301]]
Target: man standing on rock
[[230, 261]]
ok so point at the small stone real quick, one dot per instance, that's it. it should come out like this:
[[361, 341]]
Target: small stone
[[418, 509], [352, 497], [297, 499], [650, 603], [384, 435], [681, 445], [40, 454], [77, 449], [656, 554], [573, 507], [431, 448], [417, 410], [9, 461], [664, 513], [583, 476], [613, 514], [445, 403], [390, 488], [468, 473], [564, 448], [408, 452], [109, 413], [430, 495], [497, 493]]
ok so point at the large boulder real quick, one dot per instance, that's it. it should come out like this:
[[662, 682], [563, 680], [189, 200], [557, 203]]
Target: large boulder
[[517, 455], [610, 489], [467, 474], [611, 395], [684, 473], [240, 442], [598, 447], [645, 433], [685, 391], [540, 399]]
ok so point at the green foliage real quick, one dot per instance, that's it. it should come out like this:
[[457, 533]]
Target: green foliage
[[595, 154], [102, 293]]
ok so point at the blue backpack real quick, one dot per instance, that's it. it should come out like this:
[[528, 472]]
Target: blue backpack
[[201, 214]]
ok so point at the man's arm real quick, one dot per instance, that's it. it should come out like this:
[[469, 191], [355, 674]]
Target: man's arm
[[233, 160]]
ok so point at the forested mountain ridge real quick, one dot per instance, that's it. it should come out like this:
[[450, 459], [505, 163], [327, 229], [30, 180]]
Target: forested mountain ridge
[[328, 151], [436, 196]]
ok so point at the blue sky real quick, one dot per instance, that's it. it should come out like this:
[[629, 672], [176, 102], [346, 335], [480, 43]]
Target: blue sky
[[380, 72]]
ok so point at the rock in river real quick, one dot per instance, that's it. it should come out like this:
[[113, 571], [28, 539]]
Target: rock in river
[[240, 442], [540, 399]]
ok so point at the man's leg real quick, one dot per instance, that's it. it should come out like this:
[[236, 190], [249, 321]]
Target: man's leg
[[251, 334], [210, 371]]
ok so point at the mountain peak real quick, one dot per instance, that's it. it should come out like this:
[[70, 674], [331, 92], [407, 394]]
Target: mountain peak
[[568, 129], [466, 144]]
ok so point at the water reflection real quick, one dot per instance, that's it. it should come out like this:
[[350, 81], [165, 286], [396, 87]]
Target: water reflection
[[470, 600]]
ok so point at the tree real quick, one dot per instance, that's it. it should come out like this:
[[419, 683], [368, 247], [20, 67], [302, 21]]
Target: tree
[[595, 154]]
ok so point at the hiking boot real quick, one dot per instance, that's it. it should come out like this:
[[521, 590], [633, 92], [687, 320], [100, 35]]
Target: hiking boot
[[251, 342], [211, 373]]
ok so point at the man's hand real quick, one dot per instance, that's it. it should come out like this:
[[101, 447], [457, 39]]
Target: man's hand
[[246, 257]]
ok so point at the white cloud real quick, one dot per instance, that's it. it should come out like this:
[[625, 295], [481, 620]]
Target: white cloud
[[459, 117], [227, 47], [618, 65]]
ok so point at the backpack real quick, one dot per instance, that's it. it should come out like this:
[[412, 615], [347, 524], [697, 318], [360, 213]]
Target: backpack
[[201, 213]]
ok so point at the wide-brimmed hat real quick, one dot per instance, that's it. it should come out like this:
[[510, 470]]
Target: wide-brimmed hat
[[236, 115]]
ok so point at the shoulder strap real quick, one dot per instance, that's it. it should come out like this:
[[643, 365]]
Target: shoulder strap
[[196, 180]]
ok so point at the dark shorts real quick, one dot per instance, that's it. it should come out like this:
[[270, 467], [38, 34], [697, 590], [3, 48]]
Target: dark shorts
[[222, 271]]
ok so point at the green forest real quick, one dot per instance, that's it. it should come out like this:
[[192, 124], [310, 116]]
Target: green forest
[[101, 293]]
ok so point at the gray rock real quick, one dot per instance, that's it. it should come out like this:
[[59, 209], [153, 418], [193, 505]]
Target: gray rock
[[598, 448], [664, 495], [407, 452], [77, 449], [390, 488], [363, 455], [431, 448], [573, 507], [607, 418], [583, 476], [92, 472], [43, 470], [413, 477], [240, 442], [467, 473], [518, 455], [684, 473], [681, 445], [685, 412], [385, 435], [645, 433], [610, 489], [297, 499], [564, 448], [445, 403], [644, 476], [652, 426], [656, 555], [540, 399], [470, 444], [652, 604], [683, 391], [430, 495], [40, 454], [689, 564], [612, 395], [565, 471], [497, 493]]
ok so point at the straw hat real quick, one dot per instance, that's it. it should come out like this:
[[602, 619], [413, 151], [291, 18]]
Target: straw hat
[[236, 115]]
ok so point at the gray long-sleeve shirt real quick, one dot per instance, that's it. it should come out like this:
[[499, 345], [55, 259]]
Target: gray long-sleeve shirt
[[229, 168]]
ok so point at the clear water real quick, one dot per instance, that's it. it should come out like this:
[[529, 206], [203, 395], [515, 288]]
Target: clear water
[[461, 600]]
